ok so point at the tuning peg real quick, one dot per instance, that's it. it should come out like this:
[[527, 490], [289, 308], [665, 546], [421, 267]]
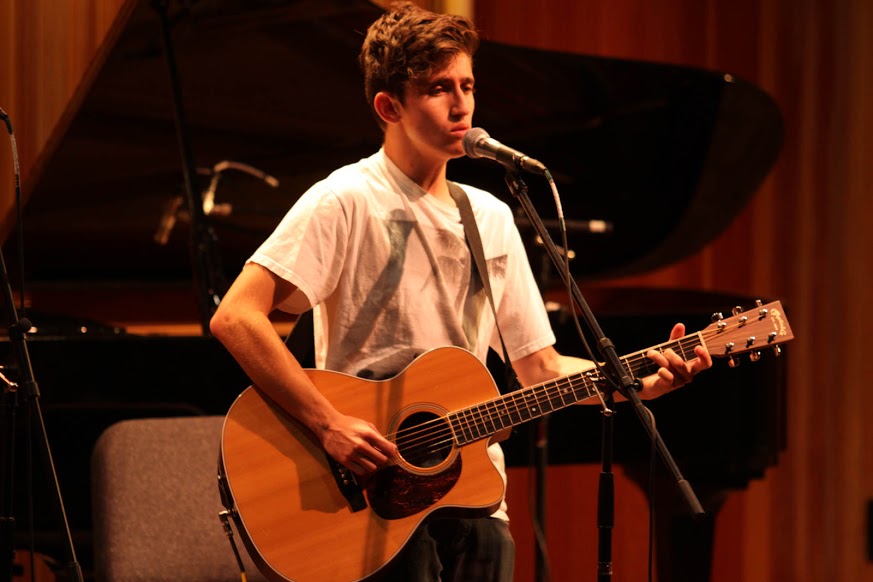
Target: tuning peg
[[737, 310], [733, 362], [717, 316], [755, 356], [777, 351], [762, 313]]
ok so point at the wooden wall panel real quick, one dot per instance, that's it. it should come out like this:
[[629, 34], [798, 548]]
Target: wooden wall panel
[[805, 238], [46, 49]]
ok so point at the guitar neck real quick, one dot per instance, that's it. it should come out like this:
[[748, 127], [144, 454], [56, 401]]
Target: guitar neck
[[487, 418]]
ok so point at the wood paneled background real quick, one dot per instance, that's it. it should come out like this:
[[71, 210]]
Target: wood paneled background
[[805, 238], [47, 48]]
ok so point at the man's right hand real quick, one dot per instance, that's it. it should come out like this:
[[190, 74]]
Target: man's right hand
[[356, 444]]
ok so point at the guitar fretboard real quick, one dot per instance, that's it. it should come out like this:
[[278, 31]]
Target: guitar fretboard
[[487, 418]]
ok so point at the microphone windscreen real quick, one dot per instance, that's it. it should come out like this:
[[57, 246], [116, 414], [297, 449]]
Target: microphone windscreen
[[471, 138]]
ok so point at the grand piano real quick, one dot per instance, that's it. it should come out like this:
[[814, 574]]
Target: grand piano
[[251, 101]]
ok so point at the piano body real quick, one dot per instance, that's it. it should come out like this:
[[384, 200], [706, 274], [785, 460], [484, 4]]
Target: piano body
[[273, 87]]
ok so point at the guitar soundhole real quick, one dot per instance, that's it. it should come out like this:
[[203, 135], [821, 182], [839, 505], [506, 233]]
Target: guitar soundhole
[[428, 471], [424, 440]]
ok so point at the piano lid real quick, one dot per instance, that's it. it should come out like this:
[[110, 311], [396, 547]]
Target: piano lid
[[667, 155]]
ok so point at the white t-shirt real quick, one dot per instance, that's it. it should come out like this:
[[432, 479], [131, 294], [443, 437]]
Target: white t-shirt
[[388, 272]]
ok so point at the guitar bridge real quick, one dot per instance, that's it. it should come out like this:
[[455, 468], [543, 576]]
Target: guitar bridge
[[348, 485]]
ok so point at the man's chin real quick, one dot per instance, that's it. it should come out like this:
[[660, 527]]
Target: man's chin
[[457, 152]]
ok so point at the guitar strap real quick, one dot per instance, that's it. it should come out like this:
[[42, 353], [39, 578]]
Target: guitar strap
[[474, 241]]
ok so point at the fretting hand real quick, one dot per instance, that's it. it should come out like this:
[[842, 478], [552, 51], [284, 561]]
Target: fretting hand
[[673, 371]]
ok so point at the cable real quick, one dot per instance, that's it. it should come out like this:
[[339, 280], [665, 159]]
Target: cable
[[18, 206]]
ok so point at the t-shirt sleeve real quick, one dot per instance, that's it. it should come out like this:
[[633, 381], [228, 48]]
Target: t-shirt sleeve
[[308, 248], [522, 314]]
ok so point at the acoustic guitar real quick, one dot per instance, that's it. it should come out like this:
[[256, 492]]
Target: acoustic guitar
[[304, 517]]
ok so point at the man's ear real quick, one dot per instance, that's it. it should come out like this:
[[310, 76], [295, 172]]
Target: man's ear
[[387, 107]]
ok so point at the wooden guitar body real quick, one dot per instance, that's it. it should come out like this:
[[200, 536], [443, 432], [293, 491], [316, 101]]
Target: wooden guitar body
[[291, 512]]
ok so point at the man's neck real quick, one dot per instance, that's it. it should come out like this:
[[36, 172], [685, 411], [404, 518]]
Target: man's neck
[[428, 173]]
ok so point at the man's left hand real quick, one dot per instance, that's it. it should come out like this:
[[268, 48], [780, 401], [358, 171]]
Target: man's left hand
[[673, 371]]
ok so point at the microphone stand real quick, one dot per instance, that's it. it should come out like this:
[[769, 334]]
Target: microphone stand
[[208, 271], [539, 458], [627, 387], [30, 393], [540, 445]]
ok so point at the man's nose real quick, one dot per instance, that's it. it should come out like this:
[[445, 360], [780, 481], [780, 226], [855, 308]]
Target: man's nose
[[461, 101]]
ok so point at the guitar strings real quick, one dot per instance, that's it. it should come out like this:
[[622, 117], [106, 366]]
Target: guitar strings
[[437, 434], [474, 422], [482, 415]]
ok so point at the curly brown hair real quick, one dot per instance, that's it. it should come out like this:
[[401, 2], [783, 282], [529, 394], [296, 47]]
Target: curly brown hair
[[407, 44]]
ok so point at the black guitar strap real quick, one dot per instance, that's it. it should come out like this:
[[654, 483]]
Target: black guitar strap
[[474, 241]]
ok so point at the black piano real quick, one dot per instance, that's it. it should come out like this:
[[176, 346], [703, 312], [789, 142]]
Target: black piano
[[652, 162]]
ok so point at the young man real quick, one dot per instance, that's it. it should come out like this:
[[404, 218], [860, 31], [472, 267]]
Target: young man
[[377, 249]]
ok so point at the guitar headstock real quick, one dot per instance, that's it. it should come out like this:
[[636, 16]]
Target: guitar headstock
[[765, 327]]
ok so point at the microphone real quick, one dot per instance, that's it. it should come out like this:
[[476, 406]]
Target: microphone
[[478, 144]]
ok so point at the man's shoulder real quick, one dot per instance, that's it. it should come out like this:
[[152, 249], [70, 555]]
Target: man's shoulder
[[349, 184], [349, 174], [482, 200]]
